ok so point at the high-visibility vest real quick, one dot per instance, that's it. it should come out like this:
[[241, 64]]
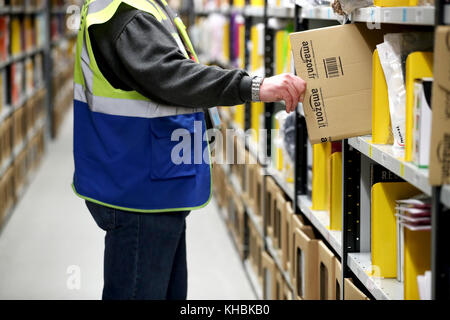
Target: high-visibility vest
[[123, 148]]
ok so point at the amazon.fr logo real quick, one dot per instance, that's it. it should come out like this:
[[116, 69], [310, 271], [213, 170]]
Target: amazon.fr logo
[[307, 57]]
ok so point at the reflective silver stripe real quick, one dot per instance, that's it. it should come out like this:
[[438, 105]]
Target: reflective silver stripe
[[122, 107], [98, 5], [128, 107], [78, 92]]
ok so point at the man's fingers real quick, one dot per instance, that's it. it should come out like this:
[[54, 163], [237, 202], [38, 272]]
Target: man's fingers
[[288, 100], [294, 97]]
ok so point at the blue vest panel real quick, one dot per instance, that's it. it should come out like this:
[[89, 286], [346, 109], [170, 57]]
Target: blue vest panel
[[126, 162]]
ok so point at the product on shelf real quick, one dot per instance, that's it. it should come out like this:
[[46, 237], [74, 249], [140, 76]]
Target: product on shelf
[[305, 264], [384, 226], [439, 172], [3, 94], [381, 118], [392, 53], [321, 173], [422, 122], [418, 65], [424, 285], [325, 270], [38, 71], [29, 76], [16, 83], [4, 37], [40, 30], [28, 34], [16, 36]]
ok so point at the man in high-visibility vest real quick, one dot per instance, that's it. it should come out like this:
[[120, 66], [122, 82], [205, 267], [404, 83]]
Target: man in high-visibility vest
[[137, 80]]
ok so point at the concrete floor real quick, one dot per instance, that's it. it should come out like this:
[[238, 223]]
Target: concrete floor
[[51, 240]]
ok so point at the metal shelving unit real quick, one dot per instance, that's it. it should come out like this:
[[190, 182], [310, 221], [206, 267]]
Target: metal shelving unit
[[347, 244], [386, 156], [319, 13], [382, 289], [398, 15], [321, 221]]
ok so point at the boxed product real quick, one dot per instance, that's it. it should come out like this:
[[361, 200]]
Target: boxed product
[[337, 278], [305, 265], [16, 82], [336, 63], [296, 223], [352, 292], [268, 268], [4, 37], [422, 123], [325, 270], [270, 198], [29, 76], [440, 132], [286, 231]]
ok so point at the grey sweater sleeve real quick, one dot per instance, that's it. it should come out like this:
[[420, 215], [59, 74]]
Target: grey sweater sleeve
[[156, 67]]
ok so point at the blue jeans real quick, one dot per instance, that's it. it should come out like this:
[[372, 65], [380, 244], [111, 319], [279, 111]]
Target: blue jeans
[[145, 254]]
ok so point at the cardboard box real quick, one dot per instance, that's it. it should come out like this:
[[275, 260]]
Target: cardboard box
[[336, 63], [5, 139], [297, 223], [325, 270], [17, 126], [249, 193], [278, 285], [237, 223], [440, 133], [287, 292], [20, 170], [280, 207], [270, 196], [259, 191], [286, 235], [337, 278], [306, 285], [268, 271], [351, 292], [256, 247]]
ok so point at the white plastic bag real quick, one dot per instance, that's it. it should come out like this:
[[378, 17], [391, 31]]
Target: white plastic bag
[[393, 52]]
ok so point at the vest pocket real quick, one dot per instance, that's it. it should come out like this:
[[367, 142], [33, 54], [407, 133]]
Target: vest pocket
[[172, 159]]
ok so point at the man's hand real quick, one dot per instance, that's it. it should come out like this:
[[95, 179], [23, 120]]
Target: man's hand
[[285, 87]]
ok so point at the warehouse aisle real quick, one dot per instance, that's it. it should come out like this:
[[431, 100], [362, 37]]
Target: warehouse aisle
[[52, 249]]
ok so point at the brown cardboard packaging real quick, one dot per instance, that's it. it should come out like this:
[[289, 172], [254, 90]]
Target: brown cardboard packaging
[[278, 285], [20, 170], [440, 100], [286, 235], [296, 223], [256, 247], [5, 139], [326, 270], [268, 272], [17, 126], [336, 63], [306, 279], [250, 176], [280, 207], [259, 191], [287, 292], [270, 198], [237, 223], [351, 292], [337, 279]]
